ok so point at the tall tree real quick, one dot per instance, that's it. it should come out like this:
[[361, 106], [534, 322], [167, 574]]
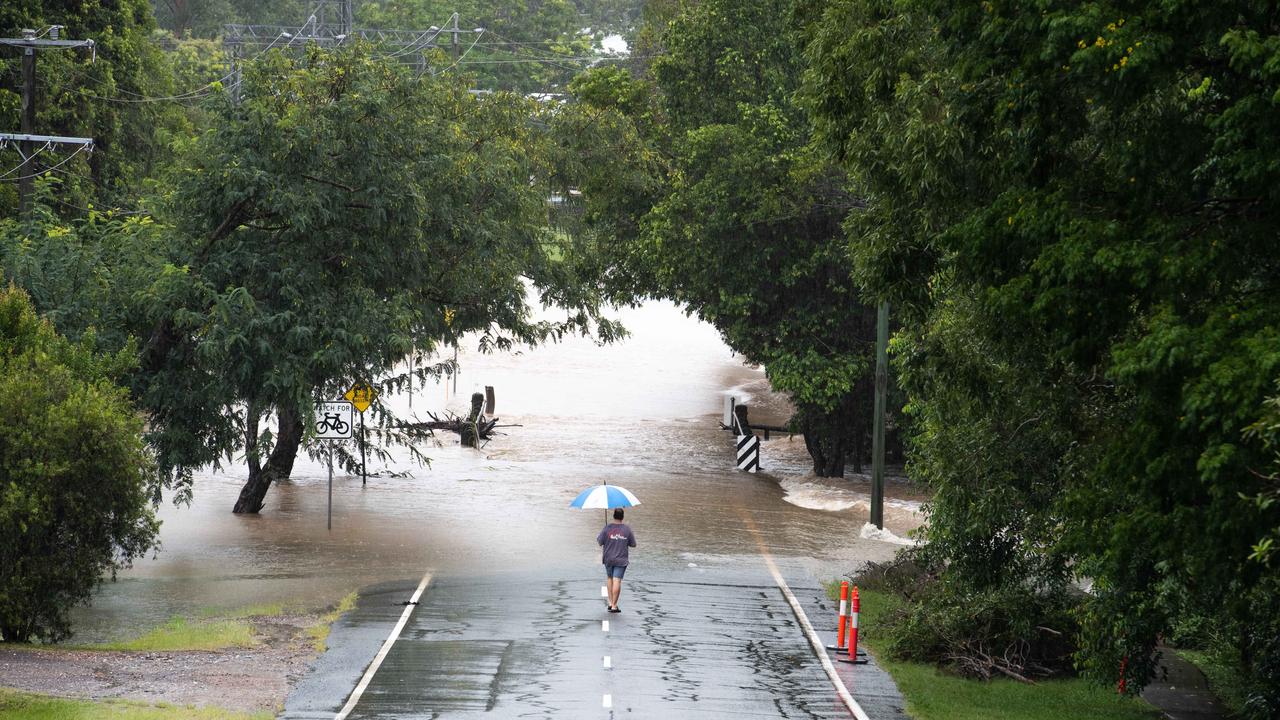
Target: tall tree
[[748, 233], [346, 216], [1077, 204]]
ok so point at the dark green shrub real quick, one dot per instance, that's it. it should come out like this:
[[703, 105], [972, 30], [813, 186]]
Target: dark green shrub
[[1003, 630], [76, 482]]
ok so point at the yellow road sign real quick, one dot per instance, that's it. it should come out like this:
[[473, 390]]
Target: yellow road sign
[[361, 396]]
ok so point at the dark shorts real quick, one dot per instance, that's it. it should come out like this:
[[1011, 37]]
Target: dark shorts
[[615, 571]]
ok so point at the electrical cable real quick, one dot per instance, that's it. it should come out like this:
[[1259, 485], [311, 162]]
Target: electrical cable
[[68, 159], [463, 55], [196, 94], [25, 161], [561, 60], [416, 45]]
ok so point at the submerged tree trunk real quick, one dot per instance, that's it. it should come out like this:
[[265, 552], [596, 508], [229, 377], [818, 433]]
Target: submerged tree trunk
[[277, 467], [471, 429], [832, 436], [828, 450]]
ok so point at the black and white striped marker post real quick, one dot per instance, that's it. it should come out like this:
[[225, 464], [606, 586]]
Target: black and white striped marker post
[[749, 453]]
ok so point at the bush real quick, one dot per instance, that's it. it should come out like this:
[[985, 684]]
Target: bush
[[1010, 630], [76, 483]]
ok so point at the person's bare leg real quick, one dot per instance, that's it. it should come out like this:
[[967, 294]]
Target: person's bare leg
[[615, 589]]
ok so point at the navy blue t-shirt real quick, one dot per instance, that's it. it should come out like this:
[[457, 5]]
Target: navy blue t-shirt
[[616, 538]]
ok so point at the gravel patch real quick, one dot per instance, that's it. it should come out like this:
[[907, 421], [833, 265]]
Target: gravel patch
[[244, 679]]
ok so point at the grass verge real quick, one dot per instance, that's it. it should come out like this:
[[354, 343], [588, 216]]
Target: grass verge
[[24, 706], [182, 634], [267, 610], [320, 631], [933, 694]]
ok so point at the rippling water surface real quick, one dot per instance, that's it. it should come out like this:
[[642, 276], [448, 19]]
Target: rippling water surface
[[643, 413]]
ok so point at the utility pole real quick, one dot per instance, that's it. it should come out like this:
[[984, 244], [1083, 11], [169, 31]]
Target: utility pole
[[28, 122], [877, 425], [457, 46], [27, 145]]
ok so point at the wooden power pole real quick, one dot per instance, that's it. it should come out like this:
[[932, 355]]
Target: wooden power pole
[[28, 142], [877, 426]]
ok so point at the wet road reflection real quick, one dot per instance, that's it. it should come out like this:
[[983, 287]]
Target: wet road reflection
[[522, 646]]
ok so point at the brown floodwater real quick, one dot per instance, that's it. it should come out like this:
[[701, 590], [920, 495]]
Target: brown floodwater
[[643, 413]]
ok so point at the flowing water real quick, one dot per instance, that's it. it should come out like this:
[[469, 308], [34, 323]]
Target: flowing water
[[643, 413]]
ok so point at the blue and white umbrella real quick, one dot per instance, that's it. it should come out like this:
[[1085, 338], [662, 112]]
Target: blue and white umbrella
[[604, 496]]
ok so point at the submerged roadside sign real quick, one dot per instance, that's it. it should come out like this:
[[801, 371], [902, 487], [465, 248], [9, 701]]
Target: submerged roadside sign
[[333, 420], [361, 396]]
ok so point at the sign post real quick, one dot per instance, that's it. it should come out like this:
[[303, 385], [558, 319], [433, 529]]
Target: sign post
[[361, 397], [333, 422]]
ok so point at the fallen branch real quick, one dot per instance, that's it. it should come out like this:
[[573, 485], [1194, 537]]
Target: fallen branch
[[453, 423]]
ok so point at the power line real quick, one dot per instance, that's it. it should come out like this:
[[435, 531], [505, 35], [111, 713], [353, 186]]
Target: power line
[[560, 60], [83, 148], [29, 43], [460, 57], [320, 30], [26, 160], [196, 94]]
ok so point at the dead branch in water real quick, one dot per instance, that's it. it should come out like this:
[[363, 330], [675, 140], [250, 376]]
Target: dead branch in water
[[453, 423]]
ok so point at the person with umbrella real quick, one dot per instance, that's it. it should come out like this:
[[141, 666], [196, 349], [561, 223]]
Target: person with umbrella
[[617, 539]]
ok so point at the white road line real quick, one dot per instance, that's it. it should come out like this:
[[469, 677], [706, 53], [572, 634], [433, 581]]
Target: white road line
[[814, 641], [608, 701], [604, 591], [604, 625], [608, 662], [382, 653]]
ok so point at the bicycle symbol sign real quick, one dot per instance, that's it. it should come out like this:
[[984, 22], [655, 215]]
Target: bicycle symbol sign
[[333, 420]]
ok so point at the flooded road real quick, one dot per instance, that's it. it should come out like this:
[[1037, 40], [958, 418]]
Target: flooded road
[[643, 414]]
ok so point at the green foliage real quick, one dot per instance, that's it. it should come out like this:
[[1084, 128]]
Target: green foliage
[[525, 46], [75, 477], [1267, 430], [84, 274], [707, 192], [938, 694], [606, 168], [1075, 205], [346, 215], [971, 626], [205, 18], [79, 95]]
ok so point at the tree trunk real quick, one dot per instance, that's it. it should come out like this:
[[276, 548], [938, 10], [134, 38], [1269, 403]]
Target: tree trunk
[[470, 431], [828, 449], [278, 466], [831, 436], [859, 452]]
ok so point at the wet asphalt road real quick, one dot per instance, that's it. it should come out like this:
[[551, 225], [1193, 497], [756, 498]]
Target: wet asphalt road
[[690, 642]]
